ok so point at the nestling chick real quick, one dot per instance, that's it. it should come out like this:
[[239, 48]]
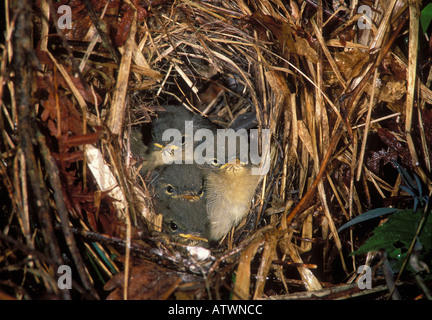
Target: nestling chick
[[184, 220], [159, 152], [229, 190], [142, 153], [178, 181], [179, 197]]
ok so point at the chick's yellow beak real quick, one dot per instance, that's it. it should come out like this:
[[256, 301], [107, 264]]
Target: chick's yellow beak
[[237, 166], [192, 237], [162, 147], [190, 197]]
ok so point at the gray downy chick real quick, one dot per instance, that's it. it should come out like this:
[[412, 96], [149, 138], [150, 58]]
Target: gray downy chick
[[179, 197], [158, 152]]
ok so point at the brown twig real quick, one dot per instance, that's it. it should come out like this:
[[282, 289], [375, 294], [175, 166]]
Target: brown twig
[[23, 63]]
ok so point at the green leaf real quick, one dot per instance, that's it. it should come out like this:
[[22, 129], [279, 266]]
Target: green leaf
[[396, 234], [371, 214], [426, 17]]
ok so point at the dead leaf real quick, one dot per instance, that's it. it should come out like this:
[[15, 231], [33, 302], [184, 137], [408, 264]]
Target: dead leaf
[[351, 63], [390, 89], [280, 29], [303, 48], [242, 285], [148, 281], [396, 151]]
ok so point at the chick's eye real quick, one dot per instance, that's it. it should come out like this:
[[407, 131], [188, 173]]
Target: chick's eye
[[200, 193], [169, 189], [214, 162], [173, 226]]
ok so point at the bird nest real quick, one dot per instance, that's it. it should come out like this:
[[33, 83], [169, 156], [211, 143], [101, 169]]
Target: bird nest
[[339, 94]]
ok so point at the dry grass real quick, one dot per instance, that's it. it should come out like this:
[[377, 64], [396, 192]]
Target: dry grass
[[332, 95]]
